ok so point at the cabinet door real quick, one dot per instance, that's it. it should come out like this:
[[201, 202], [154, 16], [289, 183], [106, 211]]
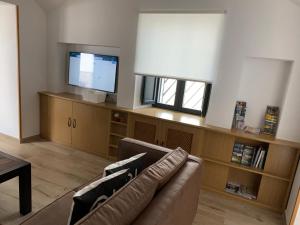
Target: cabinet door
[[144, 129], [177, 135], [59, 115], [90, 128]]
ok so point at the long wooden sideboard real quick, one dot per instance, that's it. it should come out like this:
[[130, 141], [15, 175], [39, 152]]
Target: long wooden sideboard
[[97, 129]]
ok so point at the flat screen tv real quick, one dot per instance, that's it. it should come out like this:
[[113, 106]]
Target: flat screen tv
[[93, 71]]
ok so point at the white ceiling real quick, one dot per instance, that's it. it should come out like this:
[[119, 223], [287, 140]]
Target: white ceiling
[[296, 1], [49, 5]]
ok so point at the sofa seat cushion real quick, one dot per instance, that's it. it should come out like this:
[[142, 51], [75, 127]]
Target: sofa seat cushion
[[125, 205], [56, 213], [165, 168]]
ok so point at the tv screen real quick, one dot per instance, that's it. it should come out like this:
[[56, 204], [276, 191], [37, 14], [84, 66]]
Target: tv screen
[[98, 72]]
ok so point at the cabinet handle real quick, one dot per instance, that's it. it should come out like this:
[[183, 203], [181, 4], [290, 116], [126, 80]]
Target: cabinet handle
[[74, 123], [162, 143], [69, 122], [157, 142]]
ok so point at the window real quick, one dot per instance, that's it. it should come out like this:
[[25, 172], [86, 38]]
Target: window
[[184, 46], [184, 96], [193, 95], [167, 91]]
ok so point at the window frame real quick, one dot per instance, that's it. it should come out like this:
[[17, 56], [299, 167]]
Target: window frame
[[179, 97]]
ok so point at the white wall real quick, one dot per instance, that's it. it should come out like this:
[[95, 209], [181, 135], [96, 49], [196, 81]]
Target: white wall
[[33, 56], [9, 88], [253, 28], [263, 83], [293, 197], [109, 23], [297, 219]]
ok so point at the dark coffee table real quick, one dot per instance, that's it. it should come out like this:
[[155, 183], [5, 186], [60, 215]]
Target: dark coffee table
[[11, 167]]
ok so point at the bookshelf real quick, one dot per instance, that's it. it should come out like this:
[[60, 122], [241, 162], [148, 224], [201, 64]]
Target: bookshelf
[[118, 131], [267, 186]]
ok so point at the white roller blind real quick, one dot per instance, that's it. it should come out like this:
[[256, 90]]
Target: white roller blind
[[184, 46]]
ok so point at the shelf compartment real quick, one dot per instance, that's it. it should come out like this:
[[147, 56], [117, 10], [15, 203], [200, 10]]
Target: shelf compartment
[[118, 135], [113, 146], [248, 169], [248, 180], [119, 123], [257, 203], [244, 149], [118, 129], [119, 116], [114, 140]]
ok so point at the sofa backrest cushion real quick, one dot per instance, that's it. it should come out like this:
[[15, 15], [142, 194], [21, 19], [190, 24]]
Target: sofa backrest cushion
[[125, 205], [129, 147], [134, 164], [165, 168], [97, 192], [176, 203]]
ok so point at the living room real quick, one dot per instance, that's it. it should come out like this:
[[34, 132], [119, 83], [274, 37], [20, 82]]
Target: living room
[[202, 75]]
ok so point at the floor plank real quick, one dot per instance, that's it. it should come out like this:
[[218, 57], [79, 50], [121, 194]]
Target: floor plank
[[57, 169]]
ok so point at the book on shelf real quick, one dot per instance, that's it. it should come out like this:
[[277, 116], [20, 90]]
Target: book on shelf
[[241, 190], [261, 162], [249, 156], [256, 156], [237, 153], [232, 187], [271, 121], [239, 115], [247, 192]]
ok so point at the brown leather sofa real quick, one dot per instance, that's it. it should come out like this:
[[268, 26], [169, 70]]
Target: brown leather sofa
[[175, 204]]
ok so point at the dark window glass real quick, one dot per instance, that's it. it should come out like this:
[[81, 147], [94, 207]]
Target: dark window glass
[[184, 96]]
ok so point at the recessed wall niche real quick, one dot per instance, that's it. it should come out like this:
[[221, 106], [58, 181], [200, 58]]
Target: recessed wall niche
[[88, 94], [263, 82]]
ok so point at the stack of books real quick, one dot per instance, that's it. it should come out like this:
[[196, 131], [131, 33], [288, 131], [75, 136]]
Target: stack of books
[[271, 121], [248, 155], [260, 158], [241, 190], [239, 115]]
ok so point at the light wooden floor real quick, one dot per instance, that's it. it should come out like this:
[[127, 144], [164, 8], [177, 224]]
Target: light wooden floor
[[57, 169]]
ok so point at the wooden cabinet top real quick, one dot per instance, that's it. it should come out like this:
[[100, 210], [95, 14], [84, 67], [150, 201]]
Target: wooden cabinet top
[[176, 117]]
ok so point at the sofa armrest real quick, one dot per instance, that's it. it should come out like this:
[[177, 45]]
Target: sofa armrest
[[129, 147]]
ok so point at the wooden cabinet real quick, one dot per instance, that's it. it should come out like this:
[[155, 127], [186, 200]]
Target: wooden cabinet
[[217, 146], [144, 129], [81, 126], [69, 120], [59, 121], [273, 192], [176, 135], [164, 133], [270, 184], [118, 131], [90, 128], [214, 176]]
